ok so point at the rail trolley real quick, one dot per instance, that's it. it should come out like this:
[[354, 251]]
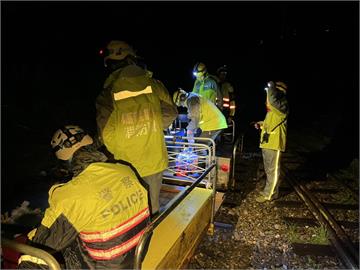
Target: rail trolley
[[193, 189]]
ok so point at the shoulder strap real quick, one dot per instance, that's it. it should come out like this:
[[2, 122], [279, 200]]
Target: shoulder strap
[[141, 180], [279, 124]]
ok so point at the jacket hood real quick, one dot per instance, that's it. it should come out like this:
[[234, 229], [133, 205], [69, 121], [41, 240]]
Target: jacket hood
[[129, 79]]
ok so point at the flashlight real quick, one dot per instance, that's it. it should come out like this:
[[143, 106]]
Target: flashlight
[[194, 73]]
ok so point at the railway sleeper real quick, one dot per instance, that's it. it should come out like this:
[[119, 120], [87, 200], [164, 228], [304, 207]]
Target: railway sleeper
[[313, 222]]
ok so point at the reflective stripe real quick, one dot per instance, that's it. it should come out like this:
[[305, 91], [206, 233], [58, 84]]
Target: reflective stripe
[[275, 174], [232, 106], [226, 105], [108, 254], [28, 258], [127, 94], [281, 88], [226, 99], [91, 237]]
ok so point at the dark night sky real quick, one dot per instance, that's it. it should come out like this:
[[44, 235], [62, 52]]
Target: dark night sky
[[51, 70]]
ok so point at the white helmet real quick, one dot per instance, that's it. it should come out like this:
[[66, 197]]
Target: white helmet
[[67, 140], [179, 96]]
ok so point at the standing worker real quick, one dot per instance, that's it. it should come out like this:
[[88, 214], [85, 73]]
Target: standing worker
[[205, 85], [203, 115], [97, 218], [132, 112], [227, 92], [273, 138]]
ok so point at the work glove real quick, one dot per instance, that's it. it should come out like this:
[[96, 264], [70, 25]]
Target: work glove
[[198, 132], [258, 125]]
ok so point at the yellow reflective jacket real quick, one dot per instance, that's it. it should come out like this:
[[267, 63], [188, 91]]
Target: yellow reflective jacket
[[277, 115], [204, 114], [132, 113], [95, 219], [208, 88]]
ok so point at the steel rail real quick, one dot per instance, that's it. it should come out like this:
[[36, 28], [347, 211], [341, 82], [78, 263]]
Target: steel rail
[[330, 219], [32, 251], [340, 242], [336, 227], [151, 227]]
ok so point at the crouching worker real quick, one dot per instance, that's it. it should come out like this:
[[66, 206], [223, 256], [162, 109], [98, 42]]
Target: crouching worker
[[206, 120], [96, 219]]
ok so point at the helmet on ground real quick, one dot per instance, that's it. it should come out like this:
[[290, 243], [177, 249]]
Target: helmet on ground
[[179, 96], [67, 140], [281, 86], [199, 70], [222, 69], [118, 50]]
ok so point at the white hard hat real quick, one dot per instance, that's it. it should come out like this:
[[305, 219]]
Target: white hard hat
[[67, 140]]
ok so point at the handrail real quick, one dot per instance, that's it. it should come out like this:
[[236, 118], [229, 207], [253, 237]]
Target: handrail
[[206, 143], [239, 140], [140, 247], [232, 132], [32, 251]]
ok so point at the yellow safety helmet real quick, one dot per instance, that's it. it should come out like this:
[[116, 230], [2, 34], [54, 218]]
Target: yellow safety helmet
[[67, 140], [199, 70], [281, 86], [179, 96], [118, 50]]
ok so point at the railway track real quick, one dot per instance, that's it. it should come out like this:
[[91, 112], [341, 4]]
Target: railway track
[[285, 233], [322, 214]]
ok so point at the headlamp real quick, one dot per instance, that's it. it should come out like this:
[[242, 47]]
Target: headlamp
[[199, 74]]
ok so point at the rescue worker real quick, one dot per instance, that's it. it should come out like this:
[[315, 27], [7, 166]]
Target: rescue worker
[[227, 92], [96, 219], [132, 111], [206, 85], [206, 120], [273, 138]]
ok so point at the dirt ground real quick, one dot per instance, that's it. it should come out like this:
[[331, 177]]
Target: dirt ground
[[251, 235]]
